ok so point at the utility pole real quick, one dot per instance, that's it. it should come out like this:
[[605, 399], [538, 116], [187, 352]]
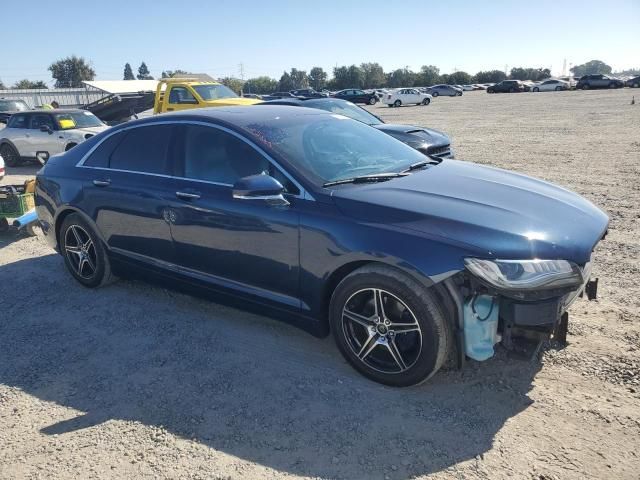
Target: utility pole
[[241, 67]]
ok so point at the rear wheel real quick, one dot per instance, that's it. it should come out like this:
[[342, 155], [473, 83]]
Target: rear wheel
[[459, 94], [435, 94], [512, 90], [10, 155], [558, 89], [585, 86], [84, 254], [536, 89], [373, 101], [388, 326], [397, 103], [426, 101]]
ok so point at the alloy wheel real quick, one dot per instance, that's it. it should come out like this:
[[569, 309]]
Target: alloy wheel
[[80, 252], [381, 330], [10, 156]]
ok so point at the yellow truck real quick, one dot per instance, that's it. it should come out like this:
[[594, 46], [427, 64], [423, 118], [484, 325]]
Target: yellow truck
[[174, 94]]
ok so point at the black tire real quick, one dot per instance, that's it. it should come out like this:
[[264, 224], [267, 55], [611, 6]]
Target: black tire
[[512, 90], [96, 270], [435, 94], [4, 225], [585, 86], [635, 85], [10, 155], [489, 90], [421, 341], [558, 89], [536, 89], [373, 101], [459, 94], [397, 103], [426, 101]]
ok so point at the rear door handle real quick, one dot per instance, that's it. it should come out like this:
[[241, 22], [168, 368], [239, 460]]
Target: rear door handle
[[188, 195], [102, 183]]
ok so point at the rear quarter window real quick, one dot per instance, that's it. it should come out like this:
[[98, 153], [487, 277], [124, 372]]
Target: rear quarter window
[[143, 149], [100, 156]]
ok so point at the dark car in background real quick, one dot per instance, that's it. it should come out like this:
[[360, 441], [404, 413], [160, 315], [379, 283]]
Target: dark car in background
[[354, 95], [508, 86], [443, 90], [308, 93], [425, 140], [328, 223], [277, 95], [587, 82], [8, 106], [633, 82]]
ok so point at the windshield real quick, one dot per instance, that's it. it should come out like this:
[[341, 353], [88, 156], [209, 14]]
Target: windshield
[[67, 121], [214, 91], [13, 106], [347, 109], [326, 148]]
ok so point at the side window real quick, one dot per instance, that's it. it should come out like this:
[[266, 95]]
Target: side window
[[41, 119], [214, 155], [100, 156], [17, 121], [179, 95], [144, 149]]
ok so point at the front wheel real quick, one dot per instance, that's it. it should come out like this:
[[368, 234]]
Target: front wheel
[[388, 326], [435, 94], [373, 101], [10, 155], [459, 94], [585, 86], [84, 253], [397, 103], [558, 89], [536, 89], [426, 102]]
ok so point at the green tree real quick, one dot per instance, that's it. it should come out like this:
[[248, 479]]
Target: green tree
[[128, 73], [70, 72], [402, 77], [372, 75], [174, 73], [29, 85], [459, 78], [143, 72], [317, 78], [2, 87], [590, 68], [429, 75], [234, 84], [535, 74], [260, 85], [286, 83], [489, 76], [299, 78]]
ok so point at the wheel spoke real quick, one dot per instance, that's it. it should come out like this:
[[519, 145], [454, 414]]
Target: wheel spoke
[[74, 250], [404, 327], [379, 304], [395, 353], [368, 346], [76, 235], [356, 317], [90, 262]]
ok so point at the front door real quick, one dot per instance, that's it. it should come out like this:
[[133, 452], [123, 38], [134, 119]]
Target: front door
[[39, 141], [243, 244]]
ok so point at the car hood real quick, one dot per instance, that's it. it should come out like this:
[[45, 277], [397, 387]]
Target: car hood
[[499, 214], [411, 133], [231, 102]]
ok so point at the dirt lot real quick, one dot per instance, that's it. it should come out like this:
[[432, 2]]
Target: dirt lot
[[133, 381]]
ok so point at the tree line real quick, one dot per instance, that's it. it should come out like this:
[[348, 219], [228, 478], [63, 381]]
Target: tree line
[[70, 72]]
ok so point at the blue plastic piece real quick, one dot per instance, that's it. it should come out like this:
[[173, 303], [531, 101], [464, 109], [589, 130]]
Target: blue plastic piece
[[480, 326]]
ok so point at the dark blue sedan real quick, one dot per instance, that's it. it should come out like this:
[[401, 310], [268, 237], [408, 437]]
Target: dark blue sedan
[[328, 223]]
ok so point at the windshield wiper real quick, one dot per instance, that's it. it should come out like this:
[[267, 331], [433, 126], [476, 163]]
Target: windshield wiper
[[422, 164], [377, 177]]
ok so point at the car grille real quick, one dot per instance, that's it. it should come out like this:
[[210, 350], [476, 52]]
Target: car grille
[[439, 151]]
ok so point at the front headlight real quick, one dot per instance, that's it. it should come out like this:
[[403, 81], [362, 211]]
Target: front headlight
[[526, 274]]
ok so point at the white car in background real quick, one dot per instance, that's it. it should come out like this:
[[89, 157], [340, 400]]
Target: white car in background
[[551, 85], [468, 88], [40, 134], [407, 96]]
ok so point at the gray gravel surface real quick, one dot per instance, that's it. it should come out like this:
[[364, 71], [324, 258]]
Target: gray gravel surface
[[135, 381]]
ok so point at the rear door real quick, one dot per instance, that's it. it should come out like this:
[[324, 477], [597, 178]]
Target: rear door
[[243, 244], [125, 191], [17, 130]]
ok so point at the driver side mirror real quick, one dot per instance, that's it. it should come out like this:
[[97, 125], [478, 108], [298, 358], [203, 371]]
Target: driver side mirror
[[261, 188], [46, 128]]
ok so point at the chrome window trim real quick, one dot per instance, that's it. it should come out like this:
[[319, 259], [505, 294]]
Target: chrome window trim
[[304, 194]]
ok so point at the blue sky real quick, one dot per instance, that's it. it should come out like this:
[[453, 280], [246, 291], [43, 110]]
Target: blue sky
[[271, 36]]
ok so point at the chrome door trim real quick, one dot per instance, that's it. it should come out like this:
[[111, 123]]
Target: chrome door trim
[[304, 193]]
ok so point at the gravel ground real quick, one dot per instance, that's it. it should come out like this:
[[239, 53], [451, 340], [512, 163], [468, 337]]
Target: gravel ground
[[134, 381]]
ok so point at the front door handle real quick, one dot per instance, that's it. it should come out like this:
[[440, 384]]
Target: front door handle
[[102, 183], [188, 195]]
